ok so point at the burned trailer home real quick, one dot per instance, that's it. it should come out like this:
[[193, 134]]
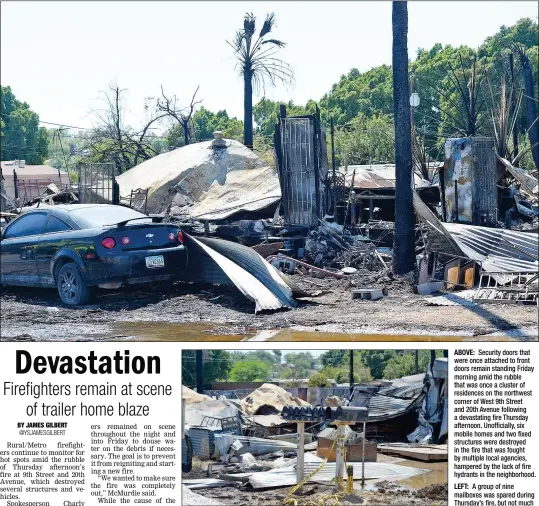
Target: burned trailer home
[[306, 245], [262, 444]]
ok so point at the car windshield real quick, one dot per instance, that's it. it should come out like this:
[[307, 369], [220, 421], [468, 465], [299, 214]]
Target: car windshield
[[99, 216]]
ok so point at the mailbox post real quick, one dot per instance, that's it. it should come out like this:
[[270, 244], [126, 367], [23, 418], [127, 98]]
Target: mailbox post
[[340, 416]]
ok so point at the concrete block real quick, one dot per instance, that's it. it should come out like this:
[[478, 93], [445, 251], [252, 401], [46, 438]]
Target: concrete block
[[367, 293]]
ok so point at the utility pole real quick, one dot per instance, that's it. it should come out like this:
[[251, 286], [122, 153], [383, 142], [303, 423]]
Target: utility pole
[[351, 372], [404, 260], [333, 150], [199, 372], [412, 104], [416, 361]]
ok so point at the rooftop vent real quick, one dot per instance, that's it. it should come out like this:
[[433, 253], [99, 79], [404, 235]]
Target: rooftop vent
[[218, 142]]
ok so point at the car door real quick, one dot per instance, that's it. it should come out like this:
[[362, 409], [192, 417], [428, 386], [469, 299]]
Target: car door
[[54, 238], [17, 249]]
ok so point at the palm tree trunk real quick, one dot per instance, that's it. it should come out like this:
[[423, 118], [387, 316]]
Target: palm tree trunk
[[404, 236], [248, 109], [531, 107]]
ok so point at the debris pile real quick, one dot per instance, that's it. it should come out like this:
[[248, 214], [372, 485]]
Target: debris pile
[[204, 181], [269, 399], [410, 408]]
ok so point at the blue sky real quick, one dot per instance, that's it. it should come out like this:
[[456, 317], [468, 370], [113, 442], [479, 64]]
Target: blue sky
[[57, 56]]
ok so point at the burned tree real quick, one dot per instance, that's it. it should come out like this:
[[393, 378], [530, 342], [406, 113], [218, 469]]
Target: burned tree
[[257, 64], [404, 238], [183, 116], [113, 141], [531, 105]]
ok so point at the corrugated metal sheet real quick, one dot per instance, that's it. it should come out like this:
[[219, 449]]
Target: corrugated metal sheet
[[498, 250], [527, 181], [297, 172], [302, 164], [203, 440], [252, 275], [382, 407], [253, 445], [407, 387], [389, 401], [284, 477], [195, 413], [202, 483], [374, 177]]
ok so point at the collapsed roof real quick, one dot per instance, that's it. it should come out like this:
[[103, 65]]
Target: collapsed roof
[[400, 397], [191, 397], [379, 176], [269, 396], [204, 181]]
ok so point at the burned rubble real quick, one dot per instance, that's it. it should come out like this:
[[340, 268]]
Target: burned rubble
[[297, 231], [374, 429]]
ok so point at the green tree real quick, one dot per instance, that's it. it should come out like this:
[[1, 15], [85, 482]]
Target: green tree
[[266, 357], [266, 114], [333, 358], [22, 138], [246, 371], [376, 360], [403, 363], [257, 64], [318, 379], [206, 122], [216, 366], [303, 362], [366, 140]]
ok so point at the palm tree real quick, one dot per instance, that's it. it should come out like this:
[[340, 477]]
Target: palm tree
[[257, 64], [404, 236]]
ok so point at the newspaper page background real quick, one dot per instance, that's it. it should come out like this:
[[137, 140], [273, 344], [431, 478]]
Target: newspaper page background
[[494, 463]]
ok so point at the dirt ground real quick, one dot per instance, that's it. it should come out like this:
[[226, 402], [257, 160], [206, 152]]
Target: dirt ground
[[381, 493], [196, 312], [388, 494]]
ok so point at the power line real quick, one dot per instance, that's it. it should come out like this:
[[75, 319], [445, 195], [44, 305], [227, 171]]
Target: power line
[[48, 122]]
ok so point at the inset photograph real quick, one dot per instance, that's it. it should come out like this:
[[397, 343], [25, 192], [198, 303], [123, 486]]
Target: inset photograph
[[315, 427]]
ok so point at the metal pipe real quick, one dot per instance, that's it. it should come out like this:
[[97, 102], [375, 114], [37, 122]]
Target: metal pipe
[[349, 200], [363, 455], [339, 459], [300, 452]]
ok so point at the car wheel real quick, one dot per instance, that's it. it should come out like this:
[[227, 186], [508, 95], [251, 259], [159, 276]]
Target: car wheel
[[71, 287]]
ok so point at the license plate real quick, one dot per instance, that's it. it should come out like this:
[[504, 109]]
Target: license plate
[[155, 261]]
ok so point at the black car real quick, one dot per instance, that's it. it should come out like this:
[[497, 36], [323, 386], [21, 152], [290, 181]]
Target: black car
[[77, 247]]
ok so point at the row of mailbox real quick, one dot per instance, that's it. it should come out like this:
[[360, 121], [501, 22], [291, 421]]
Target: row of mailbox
[[320, 414]]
